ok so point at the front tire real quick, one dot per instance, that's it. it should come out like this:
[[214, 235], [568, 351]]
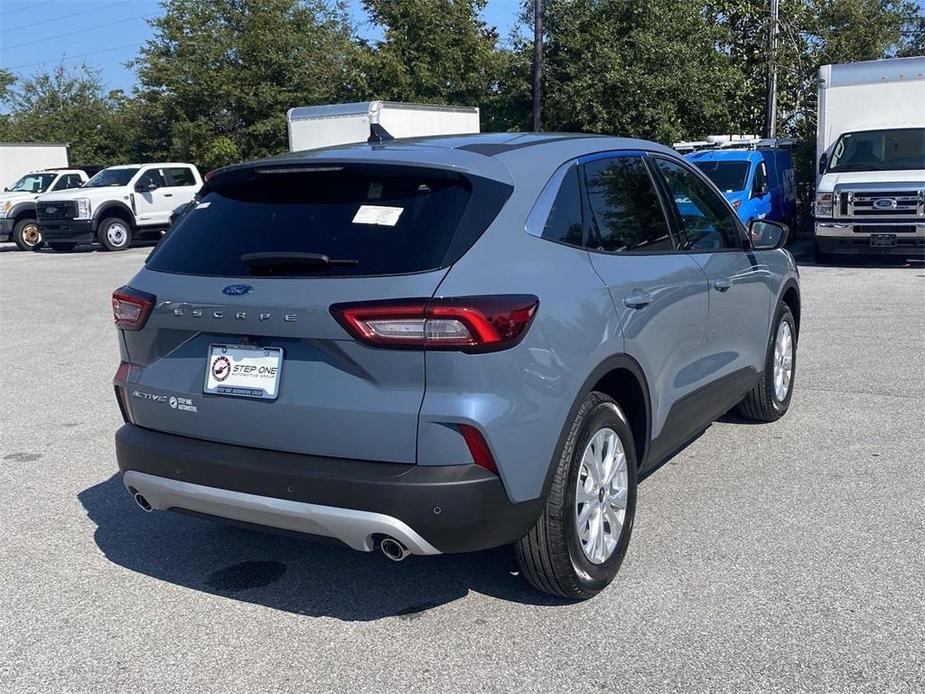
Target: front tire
[[769, 400], [578, 544], [115, 234], [26, 235]]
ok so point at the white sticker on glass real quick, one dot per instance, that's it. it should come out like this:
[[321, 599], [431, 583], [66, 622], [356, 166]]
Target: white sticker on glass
[[378, 214]]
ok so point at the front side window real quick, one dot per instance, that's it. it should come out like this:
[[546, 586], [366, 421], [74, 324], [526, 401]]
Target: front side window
[[625, 209], [112, 178], [33, 183], [879, 150], [564, 222], [67, 181], [152, 179], [706, 221]]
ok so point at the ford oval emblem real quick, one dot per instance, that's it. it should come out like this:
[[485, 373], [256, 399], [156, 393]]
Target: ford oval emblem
[[237, 289], [885, 203], [51, 210]]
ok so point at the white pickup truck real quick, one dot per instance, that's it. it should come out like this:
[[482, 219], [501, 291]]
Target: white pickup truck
[[17, 204], [117, 205], [870, 192]]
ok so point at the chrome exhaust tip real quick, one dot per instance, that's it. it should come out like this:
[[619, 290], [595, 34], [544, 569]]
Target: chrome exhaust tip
[[394, 549], [143, 503]]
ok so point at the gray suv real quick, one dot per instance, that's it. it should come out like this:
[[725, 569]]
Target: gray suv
[[449, 344]]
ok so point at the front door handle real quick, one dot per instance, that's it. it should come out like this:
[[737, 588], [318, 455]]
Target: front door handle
[[639, 298], [722, 284], [168, 195]]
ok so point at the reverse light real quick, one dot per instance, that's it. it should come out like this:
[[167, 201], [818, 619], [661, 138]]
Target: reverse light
[[131, 308], [83, 208], [824, 204], [469, 324], [478, 448]]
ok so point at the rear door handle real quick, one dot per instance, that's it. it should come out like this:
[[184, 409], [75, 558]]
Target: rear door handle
[[639, 298], [722, 284]]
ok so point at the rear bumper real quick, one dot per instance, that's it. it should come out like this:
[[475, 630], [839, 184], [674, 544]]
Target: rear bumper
[[69, 230], [431, 508]]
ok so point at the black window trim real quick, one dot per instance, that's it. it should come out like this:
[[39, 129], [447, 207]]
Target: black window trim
[[542, 207], [590, 227], [674, 218]]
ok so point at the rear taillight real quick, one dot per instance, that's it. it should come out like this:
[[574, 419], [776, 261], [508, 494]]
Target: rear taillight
[[131, 308], [478, 448], [469, 324], [123, 374]]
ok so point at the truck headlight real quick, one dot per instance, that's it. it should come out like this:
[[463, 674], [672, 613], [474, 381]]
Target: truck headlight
[[824, 204], [83, 208], [5, 207]]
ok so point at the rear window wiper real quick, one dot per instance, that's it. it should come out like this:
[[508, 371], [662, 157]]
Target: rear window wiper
[[274, 260]]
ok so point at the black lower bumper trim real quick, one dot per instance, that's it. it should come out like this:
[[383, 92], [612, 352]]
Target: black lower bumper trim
[[71, 230], [908, 247], [6, 228], [456, 508]]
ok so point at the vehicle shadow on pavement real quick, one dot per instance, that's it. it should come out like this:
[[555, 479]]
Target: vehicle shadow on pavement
[[289, 573]]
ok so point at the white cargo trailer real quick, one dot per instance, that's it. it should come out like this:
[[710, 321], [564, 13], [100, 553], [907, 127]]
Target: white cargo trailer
[[20, 158], [870, 144], [311, 127]]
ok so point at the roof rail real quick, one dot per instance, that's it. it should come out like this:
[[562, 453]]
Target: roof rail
[[715, 142]]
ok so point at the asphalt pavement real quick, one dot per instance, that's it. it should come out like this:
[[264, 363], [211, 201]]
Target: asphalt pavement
[[782, 557]]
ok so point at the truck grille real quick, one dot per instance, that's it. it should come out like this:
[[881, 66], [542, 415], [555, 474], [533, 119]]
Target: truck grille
[[54, 211], [880, 204]]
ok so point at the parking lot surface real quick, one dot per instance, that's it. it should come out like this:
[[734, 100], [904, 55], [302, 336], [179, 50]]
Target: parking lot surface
[[781, 557]]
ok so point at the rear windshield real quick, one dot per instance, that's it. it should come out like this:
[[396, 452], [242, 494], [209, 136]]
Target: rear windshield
[[335, 222], [728, 176]]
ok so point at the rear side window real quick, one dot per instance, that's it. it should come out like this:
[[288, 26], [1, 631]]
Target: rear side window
[[625, 207], [376, 221], [564, 222], [180, 176]]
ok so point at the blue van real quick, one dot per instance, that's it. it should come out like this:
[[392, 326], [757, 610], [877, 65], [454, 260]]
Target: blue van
[[759, 183]]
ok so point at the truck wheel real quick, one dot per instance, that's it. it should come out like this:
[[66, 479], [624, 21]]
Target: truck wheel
[[769, 399], [62, 247], [577, 545], [115, 234], [27, 236]]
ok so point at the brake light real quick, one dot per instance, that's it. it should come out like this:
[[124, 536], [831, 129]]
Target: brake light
[[469, 324], [131, 308], [123, 374], [478, 448]]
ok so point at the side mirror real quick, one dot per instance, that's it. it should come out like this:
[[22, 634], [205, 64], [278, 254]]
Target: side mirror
[[767, 235], [823, 163]]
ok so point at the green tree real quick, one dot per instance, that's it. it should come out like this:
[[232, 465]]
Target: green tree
[[644, 68], [70, 106], [436, 51], [219, 75]]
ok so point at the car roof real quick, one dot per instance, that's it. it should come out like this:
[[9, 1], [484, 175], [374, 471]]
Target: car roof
[[726, 155], [500, 156]]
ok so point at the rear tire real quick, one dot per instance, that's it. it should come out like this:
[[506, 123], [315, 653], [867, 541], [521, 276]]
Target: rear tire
[[769, 400], [62, 247], [560, 554], [114, 234], [26, 235]]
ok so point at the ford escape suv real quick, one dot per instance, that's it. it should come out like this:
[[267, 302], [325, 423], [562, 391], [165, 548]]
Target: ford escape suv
[[449, 344]]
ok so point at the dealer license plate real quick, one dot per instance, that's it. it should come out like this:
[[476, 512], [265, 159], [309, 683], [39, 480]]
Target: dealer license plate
[[244, 370]]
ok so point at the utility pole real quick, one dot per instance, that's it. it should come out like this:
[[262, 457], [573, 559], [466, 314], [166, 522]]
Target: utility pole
[[537, 65], [770, 104]]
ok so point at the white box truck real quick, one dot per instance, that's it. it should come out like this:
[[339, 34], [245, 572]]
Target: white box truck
[[20, 158], [870, 143], [311, 127]]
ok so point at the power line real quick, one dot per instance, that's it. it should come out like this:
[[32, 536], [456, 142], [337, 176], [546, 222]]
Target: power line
[[63, 16], [77, 31], [74, 57], [27, 7]]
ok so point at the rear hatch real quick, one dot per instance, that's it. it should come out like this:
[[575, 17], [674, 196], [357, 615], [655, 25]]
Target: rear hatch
[[257, 264]]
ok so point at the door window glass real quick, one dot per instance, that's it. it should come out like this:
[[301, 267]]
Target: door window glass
[[625, 207], [151, 180], [707, 223], [180, 176], [564, 222]]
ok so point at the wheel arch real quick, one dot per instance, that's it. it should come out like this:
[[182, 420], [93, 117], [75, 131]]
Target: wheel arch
[[621, 378], [114, 209], [23, 210], [790, 295]]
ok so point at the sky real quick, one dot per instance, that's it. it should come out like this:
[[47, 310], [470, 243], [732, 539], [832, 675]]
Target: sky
[[36, 34]]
